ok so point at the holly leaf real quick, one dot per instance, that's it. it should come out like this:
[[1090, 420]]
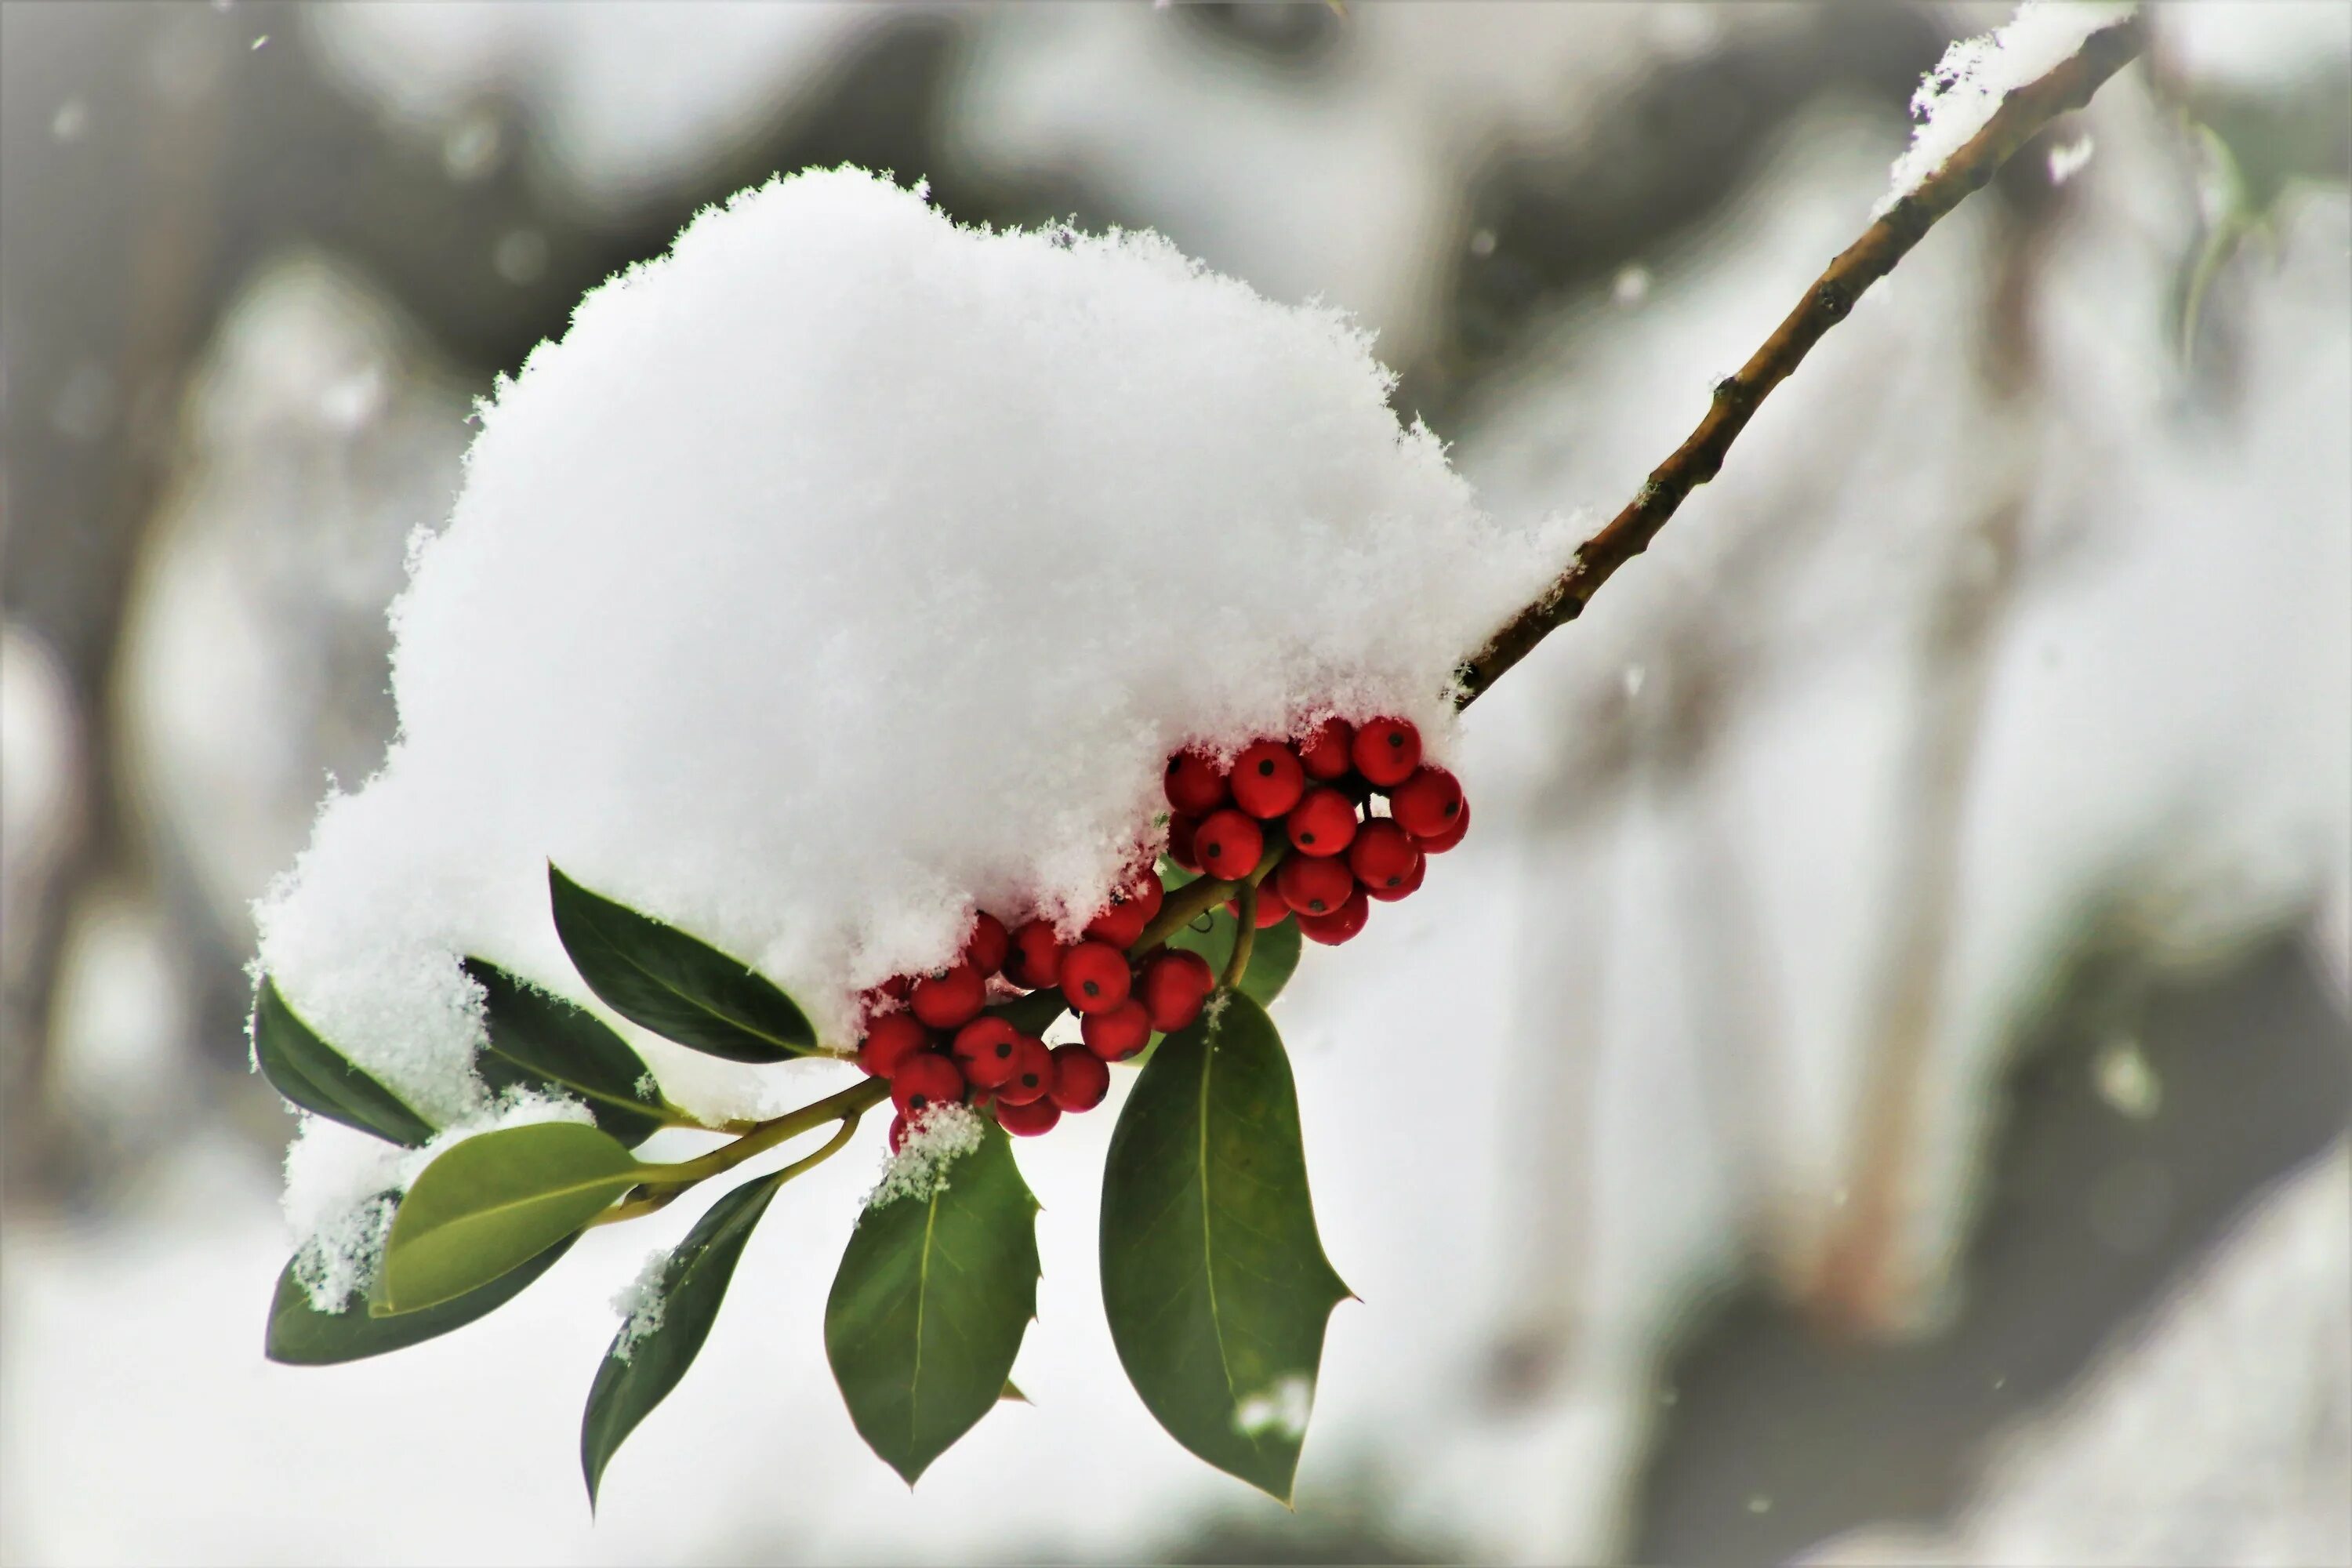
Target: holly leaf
[[1274, 956], [492, 1203], [301, 1336], [679, 986], [312, 1073], [540, 1041], [1213, 1277], [639, 1371], [929, 1305]]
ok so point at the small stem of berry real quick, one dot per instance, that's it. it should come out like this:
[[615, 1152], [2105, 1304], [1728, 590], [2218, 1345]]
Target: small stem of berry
[[1180, 910], [1244, 935], [1199, 897], [659, 1197], [846, 1106]]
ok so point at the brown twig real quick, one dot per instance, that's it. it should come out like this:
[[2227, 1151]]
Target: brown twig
[[2068, 86]]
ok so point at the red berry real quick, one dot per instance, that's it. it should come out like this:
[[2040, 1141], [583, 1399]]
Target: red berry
[[1172, 986], [986, 948], [925, 1078], [1324, 823], [1341, 923], [1194, 783], [1124, 921], [1386, 750], [1273, 908], [1031, 1075], [1080, 1079], [897, 1134], [985, 1049], [1410, 886], [1228, 844], [1426, 803], [1314, 887], [1147, 894], [1324, 753], [1029, 1120], [1035, 958], [1384, 858], [887, 1040], [1180, 849], [951, 998], [1118, 1034], [1451, 836], [1094, 978], [1268, 780], [898, 987]]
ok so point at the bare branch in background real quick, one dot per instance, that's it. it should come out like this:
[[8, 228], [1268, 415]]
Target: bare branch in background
[[1831, 298]]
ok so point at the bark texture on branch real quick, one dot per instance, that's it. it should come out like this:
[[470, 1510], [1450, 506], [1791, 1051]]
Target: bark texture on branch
[[2021, 114]]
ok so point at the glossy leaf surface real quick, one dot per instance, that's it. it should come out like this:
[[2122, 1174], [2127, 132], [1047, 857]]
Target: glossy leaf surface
[[1213, 1277], [301, 1336], [677, 986], [929, 1305], [638, 1376], [312, 1073], [539, 1041], [492, 1203]]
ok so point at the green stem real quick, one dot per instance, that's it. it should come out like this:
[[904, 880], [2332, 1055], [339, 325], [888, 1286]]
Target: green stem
[[846, 1106], [661, 1197], [1195, 898], [1245, 936]]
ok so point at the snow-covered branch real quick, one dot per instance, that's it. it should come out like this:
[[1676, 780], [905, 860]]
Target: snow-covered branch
[[2021, 114]]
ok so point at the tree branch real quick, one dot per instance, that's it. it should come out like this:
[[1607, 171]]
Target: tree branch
[[2021, 114]]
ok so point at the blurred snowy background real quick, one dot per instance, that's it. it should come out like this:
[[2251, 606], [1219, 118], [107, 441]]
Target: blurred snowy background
[[1880, 1071]]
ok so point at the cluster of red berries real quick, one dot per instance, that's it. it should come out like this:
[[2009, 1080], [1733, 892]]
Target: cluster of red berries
[[940, 1045], [943, 1048], [1319, 795]]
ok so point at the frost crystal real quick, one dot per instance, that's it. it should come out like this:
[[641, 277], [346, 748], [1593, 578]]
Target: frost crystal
[[845, 570], [1959, 95], [935, 1140], [640, 1305]]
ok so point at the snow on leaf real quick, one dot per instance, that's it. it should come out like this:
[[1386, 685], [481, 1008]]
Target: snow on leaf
[[935, 1140]]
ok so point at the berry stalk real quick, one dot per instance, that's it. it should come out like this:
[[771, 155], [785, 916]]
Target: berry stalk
[[1245, 936]]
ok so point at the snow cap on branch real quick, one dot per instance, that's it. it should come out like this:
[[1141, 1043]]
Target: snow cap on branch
[[1956, 98], [845, 570]]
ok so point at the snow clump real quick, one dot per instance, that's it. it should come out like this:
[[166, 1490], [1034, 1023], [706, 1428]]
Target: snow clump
[[937, 1138], [845, 570], [640, 1305], [1956, 98], [342, 1184]]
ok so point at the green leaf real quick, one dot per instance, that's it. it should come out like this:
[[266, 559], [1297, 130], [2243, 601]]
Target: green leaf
[[541, 1041], [636, 1377], [301, 1336], [928, 1311], [494, 1201], [1011, 1393], [1214, 1277], [1274, 956], [677, 986], [315, 1075]]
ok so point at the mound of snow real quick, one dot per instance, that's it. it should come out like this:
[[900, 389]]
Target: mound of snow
[[1956, 98], [844, 571]]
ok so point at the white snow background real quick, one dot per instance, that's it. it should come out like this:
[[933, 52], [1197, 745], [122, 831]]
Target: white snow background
[[133, 1348]]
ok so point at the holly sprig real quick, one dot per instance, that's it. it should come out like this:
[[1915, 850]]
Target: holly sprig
[[934, 1292]]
